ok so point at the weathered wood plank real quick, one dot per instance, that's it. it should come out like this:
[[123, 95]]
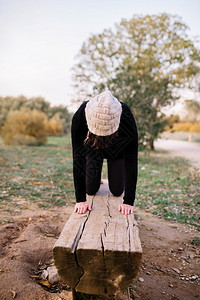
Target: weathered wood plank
[[109, 250], [64, 248], [99, 252]]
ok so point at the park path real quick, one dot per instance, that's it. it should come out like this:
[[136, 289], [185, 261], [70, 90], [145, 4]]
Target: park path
[[188, 150]]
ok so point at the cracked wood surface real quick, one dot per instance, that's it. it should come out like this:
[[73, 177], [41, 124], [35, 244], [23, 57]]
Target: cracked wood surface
[[99, 252]]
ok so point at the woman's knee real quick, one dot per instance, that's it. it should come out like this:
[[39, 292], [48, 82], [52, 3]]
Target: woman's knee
[[92, 189], [116, 191]]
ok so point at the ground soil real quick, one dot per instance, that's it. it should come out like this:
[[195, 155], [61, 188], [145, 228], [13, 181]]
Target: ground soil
[[169, 258]]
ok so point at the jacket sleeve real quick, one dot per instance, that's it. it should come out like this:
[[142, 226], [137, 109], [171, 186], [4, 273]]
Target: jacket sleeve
[[79, 131], [130, 156]]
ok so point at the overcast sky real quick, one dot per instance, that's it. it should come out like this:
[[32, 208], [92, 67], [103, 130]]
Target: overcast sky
[[40, 38]]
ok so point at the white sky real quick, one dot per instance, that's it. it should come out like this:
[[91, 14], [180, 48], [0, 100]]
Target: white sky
[[40, 38]]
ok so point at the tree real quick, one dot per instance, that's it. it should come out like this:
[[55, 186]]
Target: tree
[[144, 61]]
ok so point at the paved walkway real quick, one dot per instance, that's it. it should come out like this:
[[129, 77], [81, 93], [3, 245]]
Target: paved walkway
[[188, 150]]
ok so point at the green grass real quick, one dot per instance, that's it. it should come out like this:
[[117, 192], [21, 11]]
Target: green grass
[[42, 175], [166, 187], [196, 241]]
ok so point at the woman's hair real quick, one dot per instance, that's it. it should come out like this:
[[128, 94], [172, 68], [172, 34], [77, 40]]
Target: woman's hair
[[100, 142]]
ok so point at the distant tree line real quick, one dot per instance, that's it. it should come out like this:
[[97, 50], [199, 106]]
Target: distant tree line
[[9, 105], [30, 120]]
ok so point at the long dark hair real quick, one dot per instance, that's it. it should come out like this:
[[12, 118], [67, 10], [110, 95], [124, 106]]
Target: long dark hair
[[100, 142]]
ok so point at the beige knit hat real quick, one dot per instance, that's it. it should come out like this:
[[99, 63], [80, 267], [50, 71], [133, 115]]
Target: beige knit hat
[[103, 114]]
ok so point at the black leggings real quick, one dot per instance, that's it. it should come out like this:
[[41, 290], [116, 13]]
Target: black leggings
[[116, 174]]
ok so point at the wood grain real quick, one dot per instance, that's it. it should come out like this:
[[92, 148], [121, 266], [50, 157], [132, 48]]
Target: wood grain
[[99, 252]]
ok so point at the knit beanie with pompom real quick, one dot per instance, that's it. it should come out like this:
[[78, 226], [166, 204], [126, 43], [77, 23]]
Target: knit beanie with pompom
[[103, 113]]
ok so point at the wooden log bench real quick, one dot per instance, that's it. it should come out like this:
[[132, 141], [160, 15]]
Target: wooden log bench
[[99, 252]]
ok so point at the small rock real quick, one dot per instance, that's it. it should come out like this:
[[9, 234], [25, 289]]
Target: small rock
[[171, 285], [180, 249], [187, 278], [191, 256], [197, 252], [194, 277], [141, 279], [44, 274], [53, 276], [148, 273]]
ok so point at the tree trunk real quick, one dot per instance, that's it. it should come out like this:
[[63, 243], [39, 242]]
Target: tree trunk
[[151, 143]]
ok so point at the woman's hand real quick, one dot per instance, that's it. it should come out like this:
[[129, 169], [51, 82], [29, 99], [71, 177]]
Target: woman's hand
[[81, 207], [125, 209]]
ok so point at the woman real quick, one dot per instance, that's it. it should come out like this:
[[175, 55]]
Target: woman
[[102, 128]]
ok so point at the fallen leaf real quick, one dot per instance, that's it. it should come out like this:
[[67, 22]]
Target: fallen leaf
[[50, 234], [14, 294], [45, 283], [155, 171]]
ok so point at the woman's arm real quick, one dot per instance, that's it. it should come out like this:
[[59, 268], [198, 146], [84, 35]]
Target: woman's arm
[[129, 128], [78, 134]]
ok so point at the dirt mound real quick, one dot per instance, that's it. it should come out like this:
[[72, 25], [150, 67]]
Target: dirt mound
[[26, 244], [170, 261], [169, 270]]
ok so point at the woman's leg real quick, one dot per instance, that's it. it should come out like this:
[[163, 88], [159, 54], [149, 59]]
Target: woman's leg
[[116, 176], [94, 164]]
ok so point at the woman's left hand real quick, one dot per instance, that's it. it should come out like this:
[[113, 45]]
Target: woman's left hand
[[125, 209]]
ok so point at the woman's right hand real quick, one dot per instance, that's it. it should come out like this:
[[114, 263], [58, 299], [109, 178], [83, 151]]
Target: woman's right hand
[[81, 207]]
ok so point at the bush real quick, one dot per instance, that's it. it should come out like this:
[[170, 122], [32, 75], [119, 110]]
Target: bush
[[182, 126], [195, 127], [21, 103], [186, 127], [169, 121], [25, 128], [54, 127]]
